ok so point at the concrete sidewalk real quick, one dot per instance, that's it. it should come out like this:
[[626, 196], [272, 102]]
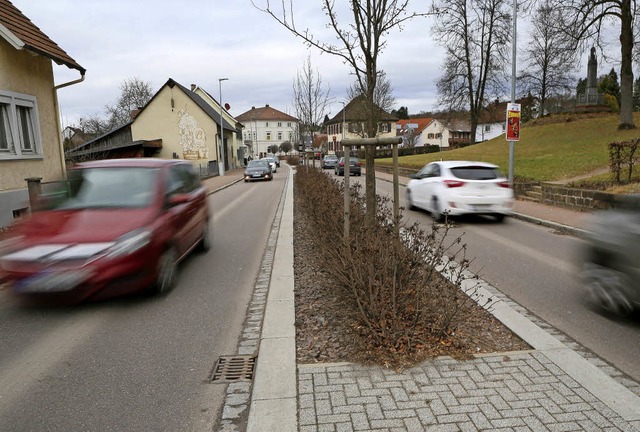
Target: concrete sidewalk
[[550, 388]]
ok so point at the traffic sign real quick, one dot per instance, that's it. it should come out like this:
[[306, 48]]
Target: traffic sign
[[513, 122]]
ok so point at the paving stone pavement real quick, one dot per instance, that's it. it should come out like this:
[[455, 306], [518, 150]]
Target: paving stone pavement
[[519, 391]]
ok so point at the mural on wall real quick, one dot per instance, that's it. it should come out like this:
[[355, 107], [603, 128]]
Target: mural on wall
[[192, 137]]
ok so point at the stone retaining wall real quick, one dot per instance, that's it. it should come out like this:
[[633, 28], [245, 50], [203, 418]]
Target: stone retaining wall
[[576, 199]]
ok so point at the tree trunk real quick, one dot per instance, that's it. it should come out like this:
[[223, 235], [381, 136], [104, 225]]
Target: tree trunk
[[626, 67]]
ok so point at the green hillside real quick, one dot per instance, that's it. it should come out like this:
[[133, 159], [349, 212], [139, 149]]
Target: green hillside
[[547, 151]]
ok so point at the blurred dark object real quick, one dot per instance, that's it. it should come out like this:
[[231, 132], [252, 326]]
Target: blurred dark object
[[611, 258]]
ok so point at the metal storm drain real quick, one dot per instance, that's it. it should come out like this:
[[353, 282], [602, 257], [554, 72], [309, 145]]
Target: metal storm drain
[[234, 369]]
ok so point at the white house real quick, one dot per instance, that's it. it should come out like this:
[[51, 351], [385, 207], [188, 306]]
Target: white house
[[265, 127]]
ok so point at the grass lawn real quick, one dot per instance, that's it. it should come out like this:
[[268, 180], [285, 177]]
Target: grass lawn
[[548, 151]]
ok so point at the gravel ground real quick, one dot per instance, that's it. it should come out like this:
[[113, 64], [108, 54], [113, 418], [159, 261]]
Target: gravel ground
[[328, 329]]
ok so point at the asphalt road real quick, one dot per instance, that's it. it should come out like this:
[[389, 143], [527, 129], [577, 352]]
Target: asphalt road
[[539, 269], [139, 364]]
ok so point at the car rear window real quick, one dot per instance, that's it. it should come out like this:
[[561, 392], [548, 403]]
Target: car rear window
[[476, 173]]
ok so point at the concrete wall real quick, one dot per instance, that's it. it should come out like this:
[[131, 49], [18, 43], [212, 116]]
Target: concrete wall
[[25, 73]]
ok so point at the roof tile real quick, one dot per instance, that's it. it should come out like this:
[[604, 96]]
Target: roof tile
[[33, 38]]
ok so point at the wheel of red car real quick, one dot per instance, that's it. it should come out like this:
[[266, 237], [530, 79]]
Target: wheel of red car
[[205, 242], [167, 269]]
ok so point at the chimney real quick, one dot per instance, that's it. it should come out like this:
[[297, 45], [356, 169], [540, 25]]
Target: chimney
[[253, 107], [193, 87], [266, 106]]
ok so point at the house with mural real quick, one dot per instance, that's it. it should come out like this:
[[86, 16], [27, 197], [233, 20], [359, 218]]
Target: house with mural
[[176, 123], [30, 131]]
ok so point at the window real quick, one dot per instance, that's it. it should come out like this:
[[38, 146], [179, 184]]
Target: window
[[430, 136], [268, 136], [279, 124], [438, 135], [279, 136], [354, 127], [266, 124], [19, 132], [384, 127], [288, 124], [487, 128]]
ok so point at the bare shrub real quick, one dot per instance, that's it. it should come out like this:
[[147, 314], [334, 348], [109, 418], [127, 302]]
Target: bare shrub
[[621, 155], [393, 282]]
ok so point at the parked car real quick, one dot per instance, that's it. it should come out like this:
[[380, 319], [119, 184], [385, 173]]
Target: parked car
[[610, 266], [273, 162], [122, 226], [259, 169], [355, 167], [460, 187], [329, 161]]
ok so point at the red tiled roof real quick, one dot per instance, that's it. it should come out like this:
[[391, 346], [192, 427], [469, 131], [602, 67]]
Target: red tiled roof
[[32, 37], [264, 113], [421, 122]]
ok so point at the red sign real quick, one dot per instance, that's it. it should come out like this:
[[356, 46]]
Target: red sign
[[513, 122]]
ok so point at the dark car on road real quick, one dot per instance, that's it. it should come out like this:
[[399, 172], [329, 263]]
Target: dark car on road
[[120, 226], [354, 167], [610, 266], [329, 161], [259, 169]]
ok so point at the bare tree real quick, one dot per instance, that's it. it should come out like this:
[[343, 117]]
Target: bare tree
[[310, 99], [94, 125], [549, 57], [475, 35], [134, 94], [586, 20], [359, 43]]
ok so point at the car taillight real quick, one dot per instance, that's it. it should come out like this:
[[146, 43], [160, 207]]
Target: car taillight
[[503, 184], [453, 183], [341, 164], [358, 164]]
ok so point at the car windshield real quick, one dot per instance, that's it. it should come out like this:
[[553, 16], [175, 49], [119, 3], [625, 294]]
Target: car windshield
[[476, 173], [262, 163], [115, 187], [330, 158]]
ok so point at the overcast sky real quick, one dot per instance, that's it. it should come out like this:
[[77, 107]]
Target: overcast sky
[[200, 41]]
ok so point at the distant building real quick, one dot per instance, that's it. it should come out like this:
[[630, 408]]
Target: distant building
[[265, 127], [349, 123]]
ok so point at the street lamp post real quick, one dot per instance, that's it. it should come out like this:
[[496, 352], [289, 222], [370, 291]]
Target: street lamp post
[[222, 155], [344, 107]]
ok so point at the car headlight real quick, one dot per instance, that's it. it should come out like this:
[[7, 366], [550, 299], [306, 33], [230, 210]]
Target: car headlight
[[130, 242]]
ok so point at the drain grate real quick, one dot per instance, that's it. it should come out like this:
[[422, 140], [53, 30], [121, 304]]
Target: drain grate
[[233, 369]]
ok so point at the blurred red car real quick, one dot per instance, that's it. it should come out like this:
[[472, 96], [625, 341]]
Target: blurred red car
[[121, 226]]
